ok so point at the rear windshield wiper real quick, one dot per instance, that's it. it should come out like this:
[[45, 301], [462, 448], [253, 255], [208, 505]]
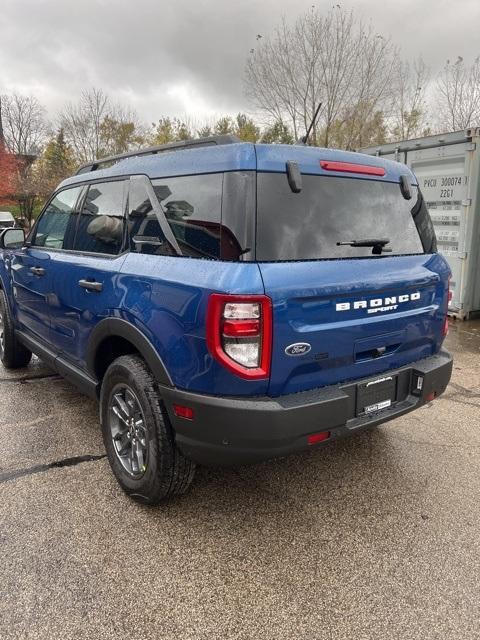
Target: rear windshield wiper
[[378, 244]]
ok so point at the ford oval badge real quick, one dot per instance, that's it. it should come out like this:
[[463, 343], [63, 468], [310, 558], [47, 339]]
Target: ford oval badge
[[298, 349]]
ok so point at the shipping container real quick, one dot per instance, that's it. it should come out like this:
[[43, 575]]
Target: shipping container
[[448, 170]]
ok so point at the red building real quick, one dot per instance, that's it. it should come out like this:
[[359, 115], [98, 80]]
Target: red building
[[8, 176], [9, 166]]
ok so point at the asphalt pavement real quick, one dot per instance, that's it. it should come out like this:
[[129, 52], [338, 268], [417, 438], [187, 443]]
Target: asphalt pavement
[[373, 537]]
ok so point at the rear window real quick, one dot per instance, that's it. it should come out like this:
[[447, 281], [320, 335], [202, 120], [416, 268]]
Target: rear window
[[308, 225]]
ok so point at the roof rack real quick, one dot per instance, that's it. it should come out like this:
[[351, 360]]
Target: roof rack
[[171, 146]]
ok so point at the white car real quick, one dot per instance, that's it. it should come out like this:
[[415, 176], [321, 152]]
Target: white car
[[6, 220]]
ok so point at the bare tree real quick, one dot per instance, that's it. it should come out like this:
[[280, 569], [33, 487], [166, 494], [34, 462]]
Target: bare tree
[[409, 113], [334, 59], [458, 95], [25, 127], [96, 127], [82, 123]]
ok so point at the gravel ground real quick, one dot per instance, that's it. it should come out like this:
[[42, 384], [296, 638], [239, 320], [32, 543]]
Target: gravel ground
[[373, 537]]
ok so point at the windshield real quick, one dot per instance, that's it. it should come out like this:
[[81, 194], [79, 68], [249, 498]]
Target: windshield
[[328, 210]]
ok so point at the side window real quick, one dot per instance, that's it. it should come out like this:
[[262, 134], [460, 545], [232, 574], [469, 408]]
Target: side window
[[193, 208], [146, 235], [56, 226], [101, 222]]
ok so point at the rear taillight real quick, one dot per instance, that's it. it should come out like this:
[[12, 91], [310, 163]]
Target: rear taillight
[[239, 333]]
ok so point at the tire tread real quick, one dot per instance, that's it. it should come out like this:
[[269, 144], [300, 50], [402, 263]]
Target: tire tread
[[174, 472], [15, 355]]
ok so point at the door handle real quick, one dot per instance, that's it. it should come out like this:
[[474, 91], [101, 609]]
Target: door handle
[[90, 285], [37, 271]]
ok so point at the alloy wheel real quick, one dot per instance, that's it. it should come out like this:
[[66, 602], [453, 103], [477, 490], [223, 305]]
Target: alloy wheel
[[128, 430]]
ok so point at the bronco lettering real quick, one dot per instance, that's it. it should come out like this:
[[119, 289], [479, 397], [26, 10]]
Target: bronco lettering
[[378, 304]]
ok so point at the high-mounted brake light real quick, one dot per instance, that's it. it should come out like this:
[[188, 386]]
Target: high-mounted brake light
[[352, 167], [239, 333]]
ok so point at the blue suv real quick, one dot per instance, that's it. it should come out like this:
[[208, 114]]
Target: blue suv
[[230, 302]]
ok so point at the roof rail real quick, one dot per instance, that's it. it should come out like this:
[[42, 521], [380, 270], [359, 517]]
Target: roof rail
[[171, 146]]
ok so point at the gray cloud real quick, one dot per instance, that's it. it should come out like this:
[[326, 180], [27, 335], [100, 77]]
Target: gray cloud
[[186, 56]]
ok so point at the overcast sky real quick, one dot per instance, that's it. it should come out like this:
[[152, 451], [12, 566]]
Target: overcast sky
[[180, 57]]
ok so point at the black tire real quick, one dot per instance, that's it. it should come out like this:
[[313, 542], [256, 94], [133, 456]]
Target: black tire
[[12, 354], [160, 470]]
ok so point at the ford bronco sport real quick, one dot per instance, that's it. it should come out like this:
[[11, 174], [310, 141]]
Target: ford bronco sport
[[230, 302]]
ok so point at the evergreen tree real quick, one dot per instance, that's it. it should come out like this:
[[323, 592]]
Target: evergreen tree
[[278, 133], [224, 126], [205, 131], [246, 129], [170, 130], [55, 164]]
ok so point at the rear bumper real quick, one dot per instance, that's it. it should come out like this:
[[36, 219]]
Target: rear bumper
[[233, 430]]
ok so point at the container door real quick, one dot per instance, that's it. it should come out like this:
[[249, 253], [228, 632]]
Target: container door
[[444, 178]]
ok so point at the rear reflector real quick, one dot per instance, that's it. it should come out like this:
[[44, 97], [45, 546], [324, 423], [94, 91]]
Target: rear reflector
[[449, 299], [183, 412], [351, 167], [445, 327], [430, 396], [318, 437]]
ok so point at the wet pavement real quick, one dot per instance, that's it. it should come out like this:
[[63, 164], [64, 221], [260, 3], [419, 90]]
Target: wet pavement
[[373, 537]]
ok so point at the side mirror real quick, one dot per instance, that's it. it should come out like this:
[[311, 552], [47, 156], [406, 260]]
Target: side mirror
[[12, 239]]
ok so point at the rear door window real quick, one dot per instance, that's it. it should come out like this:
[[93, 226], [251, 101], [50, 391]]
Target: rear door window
[[145, 232], [101, 224], [308, 225]]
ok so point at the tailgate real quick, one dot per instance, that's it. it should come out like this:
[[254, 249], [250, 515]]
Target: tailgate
[[342, 320]]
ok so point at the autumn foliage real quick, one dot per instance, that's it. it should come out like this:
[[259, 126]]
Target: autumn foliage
[[8, 175]]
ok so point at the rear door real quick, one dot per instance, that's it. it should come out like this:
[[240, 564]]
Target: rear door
[[340, 312]]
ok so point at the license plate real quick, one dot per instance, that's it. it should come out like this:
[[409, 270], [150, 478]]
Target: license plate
[[378, 407], [376, 395]]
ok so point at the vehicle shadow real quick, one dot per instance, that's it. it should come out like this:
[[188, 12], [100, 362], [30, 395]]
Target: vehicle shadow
[[342, 481]]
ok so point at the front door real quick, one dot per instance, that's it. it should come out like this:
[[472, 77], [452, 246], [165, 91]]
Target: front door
[[86, 279], [31, 266]]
